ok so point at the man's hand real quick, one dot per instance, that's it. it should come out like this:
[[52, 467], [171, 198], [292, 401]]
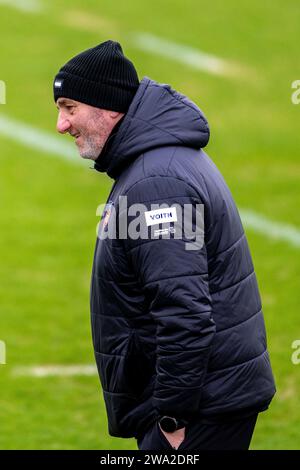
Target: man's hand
[[175, 438]]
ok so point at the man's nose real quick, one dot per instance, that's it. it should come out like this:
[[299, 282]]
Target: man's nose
[[63, 124]]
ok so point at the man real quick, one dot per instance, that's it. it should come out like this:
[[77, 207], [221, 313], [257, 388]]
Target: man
[[177, 325]]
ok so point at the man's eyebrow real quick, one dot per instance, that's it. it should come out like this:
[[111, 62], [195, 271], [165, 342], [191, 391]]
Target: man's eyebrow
[[63, 102]]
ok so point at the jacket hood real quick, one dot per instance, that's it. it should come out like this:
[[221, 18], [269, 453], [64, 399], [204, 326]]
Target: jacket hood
[[158, 116]]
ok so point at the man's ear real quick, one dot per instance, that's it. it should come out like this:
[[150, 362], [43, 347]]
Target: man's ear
[[115, 115]]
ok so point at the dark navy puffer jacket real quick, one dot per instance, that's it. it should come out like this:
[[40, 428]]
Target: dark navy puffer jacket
[[176, 332]]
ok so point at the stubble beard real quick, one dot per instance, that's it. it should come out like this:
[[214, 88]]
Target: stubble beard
[[92, 145], [90, 149]]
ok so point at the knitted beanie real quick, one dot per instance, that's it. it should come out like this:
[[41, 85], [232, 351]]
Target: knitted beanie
[[101, 76]]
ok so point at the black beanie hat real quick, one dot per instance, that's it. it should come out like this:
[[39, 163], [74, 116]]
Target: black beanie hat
[[101, 76]]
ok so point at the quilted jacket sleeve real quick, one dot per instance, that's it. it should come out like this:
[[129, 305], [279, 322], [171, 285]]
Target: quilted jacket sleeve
[[174, 278]]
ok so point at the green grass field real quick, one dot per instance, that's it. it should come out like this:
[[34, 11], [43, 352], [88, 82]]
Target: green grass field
[[48, 205]]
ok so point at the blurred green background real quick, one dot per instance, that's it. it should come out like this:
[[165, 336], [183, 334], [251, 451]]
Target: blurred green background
[[48, 204]]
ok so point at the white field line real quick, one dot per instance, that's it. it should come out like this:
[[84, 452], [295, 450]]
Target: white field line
[[46, 142], [30, 6], [271, 229], [191, 56], [184, 54], [39, 140], [55, 371], [148, 42]]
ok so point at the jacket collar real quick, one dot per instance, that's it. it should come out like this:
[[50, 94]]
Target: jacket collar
[[103, 161]]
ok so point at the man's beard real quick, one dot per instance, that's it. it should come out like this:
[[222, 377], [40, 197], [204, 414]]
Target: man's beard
[[90, 149]]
